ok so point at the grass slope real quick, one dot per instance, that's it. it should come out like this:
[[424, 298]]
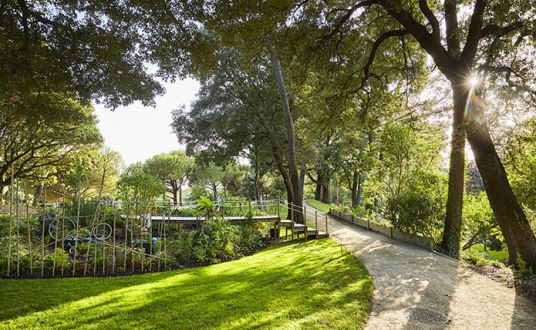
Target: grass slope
[[319, 205], [312, 284], [501, 255]]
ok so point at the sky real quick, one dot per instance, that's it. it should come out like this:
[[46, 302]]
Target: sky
[[139, 132]]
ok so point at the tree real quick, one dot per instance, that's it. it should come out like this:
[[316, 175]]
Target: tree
[[31, 146], [236, 114], [172, 169], [296, 183], [88, 173], [139, 189], [209, 177], [92, 50], [491, 33]]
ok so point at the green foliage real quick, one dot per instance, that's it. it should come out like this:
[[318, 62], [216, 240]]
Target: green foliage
[[476, 258], [137, 185], [419, 207], [478, 220], [520, 162], [171, 169], [216, 241], [205, 208], [488, 253], [521, 269], [181, 247], [38, 143]]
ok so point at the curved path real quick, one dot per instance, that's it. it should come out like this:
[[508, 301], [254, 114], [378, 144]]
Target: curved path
[[405, 276]]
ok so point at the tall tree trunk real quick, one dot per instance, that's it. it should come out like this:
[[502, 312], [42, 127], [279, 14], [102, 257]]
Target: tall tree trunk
[[284, 174], [357, 188], [180, 194], [510, 216], [318, 190], [360, 189], [302, 176], [291, 143], [37, 194], [326, 192], [453, 220], [215, 192], [175, 191], [256, 183]]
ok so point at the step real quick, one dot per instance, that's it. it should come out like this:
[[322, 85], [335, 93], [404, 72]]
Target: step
[[285, 223]]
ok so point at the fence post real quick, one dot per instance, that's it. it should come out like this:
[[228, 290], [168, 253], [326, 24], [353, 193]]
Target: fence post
[[292, 219], [17, 219], [278, 230], [10, 222], [304, 222], [43, 248], [113, 245], [316, 224]]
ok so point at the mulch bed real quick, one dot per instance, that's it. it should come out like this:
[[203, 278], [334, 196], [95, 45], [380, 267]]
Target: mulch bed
[[505, 276]]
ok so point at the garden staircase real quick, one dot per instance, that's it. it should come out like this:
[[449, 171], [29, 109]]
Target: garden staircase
[[310, 229]]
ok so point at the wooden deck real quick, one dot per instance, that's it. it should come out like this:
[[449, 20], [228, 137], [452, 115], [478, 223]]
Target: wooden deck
[[299, 228], [194, 220], [292, 228]]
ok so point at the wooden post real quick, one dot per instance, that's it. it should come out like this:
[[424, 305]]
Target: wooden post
[[55, 247], [63, 239], [125, 242], [43, 248], [113, 245], [10, 223], [292, 219], [103, 249], [29, 231], [278, 211], [18, 228], [249, 206], [142, 219], [304, 222], [151, 244], [76, 229], [316, 224], [132, 243], [165, 242], [337, 180], [326, 217]]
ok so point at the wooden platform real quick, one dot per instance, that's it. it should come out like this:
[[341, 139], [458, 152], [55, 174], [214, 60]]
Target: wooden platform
[[299, 229], [194, 220], [293, 229]]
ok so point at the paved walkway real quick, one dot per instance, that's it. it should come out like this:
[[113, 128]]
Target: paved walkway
[[405, 276]]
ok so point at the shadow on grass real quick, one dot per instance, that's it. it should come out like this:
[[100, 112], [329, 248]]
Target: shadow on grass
[[309, 284]]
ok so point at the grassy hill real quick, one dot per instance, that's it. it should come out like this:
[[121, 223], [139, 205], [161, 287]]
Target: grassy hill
[[313, 284]]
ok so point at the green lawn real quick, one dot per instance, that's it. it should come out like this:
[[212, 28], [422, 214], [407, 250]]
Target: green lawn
[[306, 285], [494, 255], [319, 205]]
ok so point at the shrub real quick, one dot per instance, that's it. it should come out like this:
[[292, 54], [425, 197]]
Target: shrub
[[478, 259], [521, 269], [419, 207], [216, 241], [251, 234], [181, 247]]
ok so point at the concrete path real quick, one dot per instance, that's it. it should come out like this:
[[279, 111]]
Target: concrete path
[[407, 277]]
